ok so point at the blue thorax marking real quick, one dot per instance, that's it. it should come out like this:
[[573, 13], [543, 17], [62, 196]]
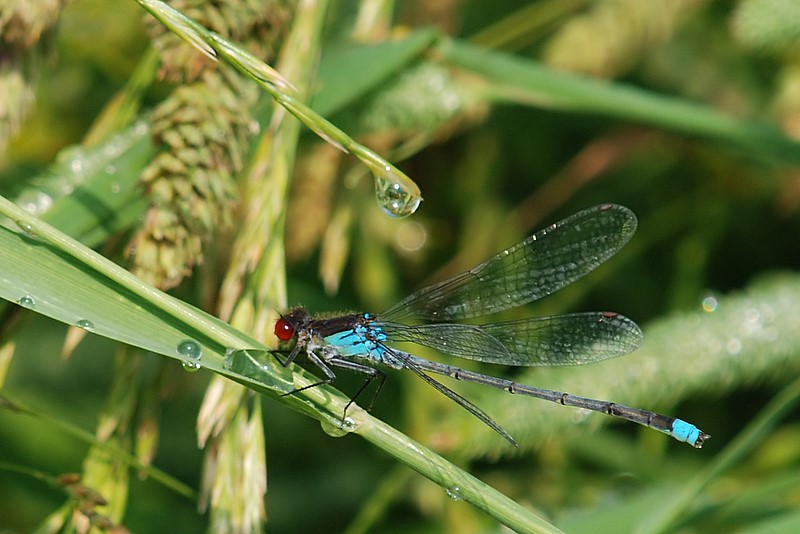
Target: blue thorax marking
[[360, 341]]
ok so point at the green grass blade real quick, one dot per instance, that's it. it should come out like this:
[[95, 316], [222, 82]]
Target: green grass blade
[[516, 79], [347, 74], [91, 193]]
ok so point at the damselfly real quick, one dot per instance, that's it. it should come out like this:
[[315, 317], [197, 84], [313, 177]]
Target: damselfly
[[545, 262]]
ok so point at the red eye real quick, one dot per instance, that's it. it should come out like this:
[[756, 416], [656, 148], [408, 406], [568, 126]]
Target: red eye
[[284, 330]]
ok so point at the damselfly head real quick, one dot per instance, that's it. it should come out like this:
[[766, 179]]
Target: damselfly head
[[289, 324]]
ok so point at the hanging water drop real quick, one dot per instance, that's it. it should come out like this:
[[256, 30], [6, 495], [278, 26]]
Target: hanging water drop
[[191, 367], [85, 324], [454, 493], [338, 429], [395, 199], [348, 425], [26, 301]]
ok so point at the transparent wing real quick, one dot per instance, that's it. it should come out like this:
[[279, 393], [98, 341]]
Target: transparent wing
[[545, 262], [571, 339], [461, 340]]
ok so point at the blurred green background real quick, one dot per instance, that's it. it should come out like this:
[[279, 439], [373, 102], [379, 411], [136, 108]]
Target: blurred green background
[[683, 111]]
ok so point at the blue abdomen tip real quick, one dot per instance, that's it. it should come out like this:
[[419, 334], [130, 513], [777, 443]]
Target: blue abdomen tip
[[683, 431]]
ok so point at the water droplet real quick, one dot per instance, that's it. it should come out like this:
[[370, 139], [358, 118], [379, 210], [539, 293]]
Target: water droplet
[[454, 493], [27, 228], [190, 348], [27, 301], [85, 324], [191, 367], [339, 428], [395, 200], [348, 425], [710, 304]]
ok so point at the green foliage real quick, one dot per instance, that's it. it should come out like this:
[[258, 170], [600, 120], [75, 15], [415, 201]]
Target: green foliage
[[193, 149]]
